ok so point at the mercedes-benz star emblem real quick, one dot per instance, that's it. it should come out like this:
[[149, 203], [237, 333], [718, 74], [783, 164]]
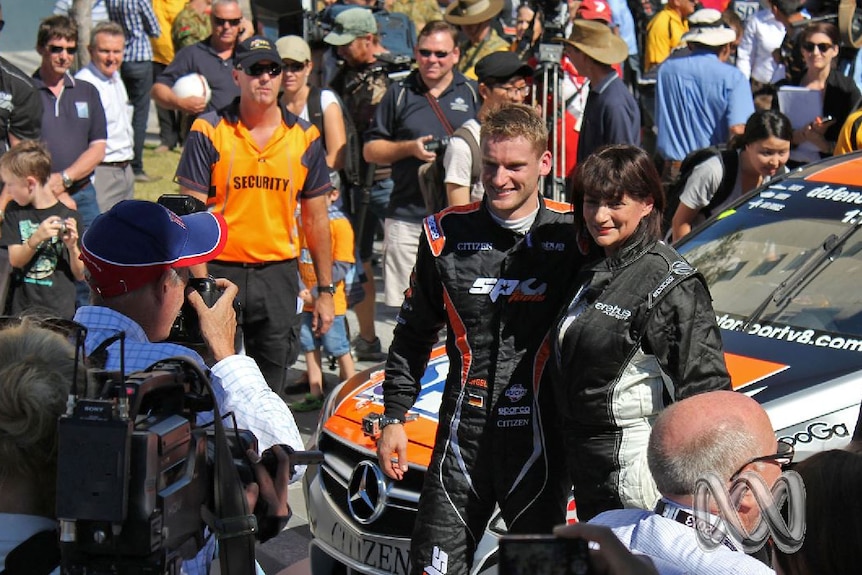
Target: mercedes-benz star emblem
[[366, 492]]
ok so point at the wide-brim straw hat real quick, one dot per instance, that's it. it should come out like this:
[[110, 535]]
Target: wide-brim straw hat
[[598, 41], [472, 11]]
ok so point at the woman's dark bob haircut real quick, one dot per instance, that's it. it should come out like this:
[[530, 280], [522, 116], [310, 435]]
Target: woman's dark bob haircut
[[612, 171]]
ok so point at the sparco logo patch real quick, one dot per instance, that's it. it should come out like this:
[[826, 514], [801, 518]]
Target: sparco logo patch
[[517, 290], [516, 393], [514, 410], [681, 268], [676, 269], [613, 311]]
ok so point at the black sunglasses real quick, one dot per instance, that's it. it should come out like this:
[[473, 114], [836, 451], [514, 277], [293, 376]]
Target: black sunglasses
[[222, 21], [822, 46], [256, 70], [438, 53], [54, 49], [293, 67], [783, 457]]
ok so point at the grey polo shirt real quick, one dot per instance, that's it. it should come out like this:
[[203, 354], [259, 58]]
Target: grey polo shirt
[[71, 122]]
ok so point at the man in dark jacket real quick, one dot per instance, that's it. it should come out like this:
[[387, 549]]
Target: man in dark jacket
[[494, 274]]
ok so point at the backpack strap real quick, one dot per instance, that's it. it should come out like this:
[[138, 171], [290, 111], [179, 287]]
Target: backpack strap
[[315, 113], [38, 555], [729, 169], [475, 153]]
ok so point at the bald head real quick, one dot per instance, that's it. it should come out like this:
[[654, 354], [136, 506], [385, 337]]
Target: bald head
[[717, 431]]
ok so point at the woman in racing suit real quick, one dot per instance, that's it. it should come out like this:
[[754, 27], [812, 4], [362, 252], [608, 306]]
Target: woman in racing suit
[[639, 332]]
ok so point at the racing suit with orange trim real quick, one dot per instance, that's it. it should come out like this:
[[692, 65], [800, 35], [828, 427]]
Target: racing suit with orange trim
[[497, 292]]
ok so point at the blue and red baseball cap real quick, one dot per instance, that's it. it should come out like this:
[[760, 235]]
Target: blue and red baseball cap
[[136, 241]]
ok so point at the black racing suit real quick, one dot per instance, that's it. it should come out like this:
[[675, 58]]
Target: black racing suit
[[497, 292], [639, 333]]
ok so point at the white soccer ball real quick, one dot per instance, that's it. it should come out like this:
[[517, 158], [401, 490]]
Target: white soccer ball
[[192, 85]]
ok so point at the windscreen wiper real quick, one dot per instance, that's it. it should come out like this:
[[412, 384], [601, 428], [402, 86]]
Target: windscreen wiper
[[830, 249]]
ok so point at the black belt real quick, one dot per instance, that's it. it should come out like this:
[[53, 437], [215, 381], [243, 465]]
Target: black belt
[[125, 164], [254, 265]]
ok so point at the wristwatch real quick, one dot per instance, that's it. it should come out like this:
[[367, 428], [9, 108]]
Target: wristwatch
[[67, 181], [326, 289]]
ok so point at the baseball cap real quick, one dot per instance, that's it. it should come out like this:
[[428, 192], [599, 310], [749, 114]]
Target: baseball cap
[[253, 50], [293, 48], [349, 25], [502, 66], [594, 10], [136, 241]]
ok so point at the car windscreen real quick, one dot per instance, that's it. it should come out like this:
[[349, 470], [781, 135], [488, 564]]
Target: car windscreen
[[787, 263]]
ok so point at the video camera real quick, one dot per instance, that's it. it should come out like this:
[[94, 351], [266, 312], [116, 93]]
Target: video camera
[[135, 471]]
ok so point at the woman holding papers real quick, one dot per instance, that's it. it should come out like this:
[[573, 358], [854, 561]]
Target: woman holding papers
[[838, 93]]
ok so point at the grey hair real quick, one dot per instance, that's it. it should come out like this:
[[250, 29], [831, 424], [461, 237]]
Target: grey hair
[[721, 450], [109, 28], [217, 3], [36, 371]]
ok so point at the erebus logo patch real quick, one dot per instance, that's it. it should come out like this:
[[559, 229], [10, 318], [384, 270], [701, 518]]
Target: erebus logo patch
[[613, 311], [517, 290]]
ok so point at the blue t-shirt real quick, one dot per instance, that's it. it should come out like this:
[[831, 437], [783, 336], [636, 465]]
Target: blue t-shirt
[[698, 99]]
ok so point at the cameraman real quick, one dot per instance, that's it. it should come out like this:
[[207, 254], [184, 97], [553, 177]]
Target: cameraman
[[138, 255], [361, 83], [36, 370]]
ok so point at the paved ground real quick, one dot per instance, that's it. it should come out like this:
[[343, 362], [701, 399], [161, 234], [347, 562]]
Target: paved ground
[[290, 549]]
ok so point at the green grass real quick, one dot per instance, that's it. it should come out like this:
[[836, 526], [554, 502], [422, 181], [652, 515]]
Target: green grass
[[163, 164]]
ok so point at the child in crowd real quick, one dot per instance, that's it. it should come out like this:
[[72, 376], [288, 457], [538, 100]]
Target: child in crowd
[[335, 341], [41, 235]]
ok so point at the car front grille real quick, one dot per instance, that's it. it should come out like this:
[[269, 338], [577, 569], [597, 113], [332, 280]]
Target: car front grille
[[402, 496]]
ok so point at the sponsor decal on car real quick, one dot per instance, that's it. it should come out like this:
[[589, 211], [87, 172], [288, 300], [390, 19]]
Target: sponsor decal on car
[[792, 334]]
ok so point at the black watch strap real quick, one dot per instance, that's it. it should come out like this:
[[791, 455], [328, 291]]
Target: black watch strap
[[326, 289], [384, 421]]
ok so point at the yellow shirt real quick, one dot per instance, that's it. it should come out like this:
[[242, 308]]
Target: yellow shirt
[[664, 33], [163, 46]]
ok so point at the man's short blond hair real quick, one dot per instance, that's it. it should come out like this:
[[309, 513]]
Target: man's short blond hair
[[511, 121]]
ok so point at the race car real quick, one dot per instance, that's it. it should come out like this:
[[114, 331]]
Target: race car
[[784, 265]]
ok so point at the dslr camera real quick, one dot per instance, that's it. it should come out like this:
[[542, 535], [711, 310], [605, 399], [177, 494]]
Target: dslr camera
[[437, 145], [186, 327]]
